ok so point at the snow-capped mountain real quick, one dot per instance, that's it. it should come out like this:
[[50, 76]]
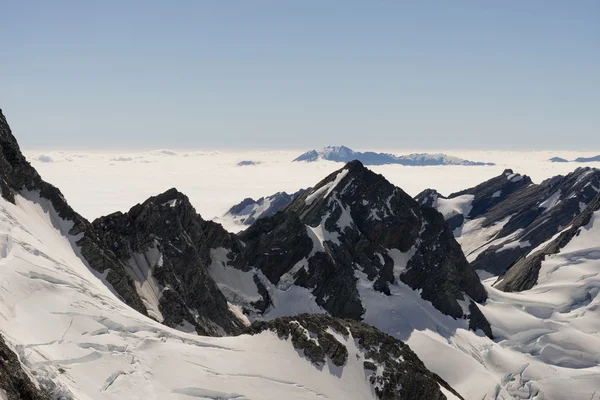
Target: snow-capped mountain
[[508, 216], [344, 154], [249, 210], [355, 235], [578, 242]]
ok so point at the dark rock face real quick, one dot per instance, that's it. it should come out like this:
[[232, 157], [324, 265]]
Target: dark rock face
[[493, 192], [483, 197], [349, 222], [16, 175], [250, 210], [403, 375], [344, 154], [15, 384], [523, 275], [166, 241]]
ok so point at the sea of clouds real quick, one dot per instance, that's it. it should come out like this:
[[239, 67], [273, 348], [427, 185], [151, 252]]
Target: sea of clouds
[[97, 183]]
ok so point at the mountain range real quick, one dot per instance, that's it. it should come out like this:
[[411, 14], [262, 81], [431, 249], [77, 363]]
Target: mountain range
[[349, 289], [344, 154], [508, 217], [578, 159], [246, 212], [110, 308]]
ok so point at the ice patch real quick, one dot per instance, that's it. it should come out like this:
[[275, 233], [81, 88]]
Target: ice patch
[[141, 268], [319, 235], [514, 177], [514, 245], [400, 259], [287, 279], [186, 327], [327, 188], [551, 201], [457, 205], [170, 203], [237, 286]]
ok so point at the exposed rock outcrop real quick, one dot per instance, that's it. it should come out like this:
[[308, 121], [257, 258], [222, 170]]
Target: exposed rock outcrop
[[393, 369], [167, 247], [15, 383]]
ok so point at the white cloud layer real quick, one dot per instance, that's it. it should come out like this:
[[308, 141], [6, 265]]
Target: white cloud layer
[[99, 183]]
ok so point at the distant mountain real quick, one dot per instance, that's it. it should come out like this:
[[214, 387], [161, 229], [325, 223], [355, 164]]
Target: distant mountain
[[246, 163], [558, 160], [344, 154], [578, 159], [249, 210], [588, 159]]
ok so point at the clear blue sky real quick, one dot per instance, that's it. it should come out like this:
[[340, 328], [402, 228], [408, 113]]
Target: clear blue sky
[[302, 74]]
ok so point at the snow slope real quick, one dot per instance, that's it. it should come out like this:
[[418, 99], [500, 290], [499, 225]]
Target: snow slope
[[79, 341], [557, 322]]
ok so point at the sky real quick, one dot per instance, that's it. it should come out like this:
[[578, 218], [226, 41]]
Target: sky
[[511, 75]]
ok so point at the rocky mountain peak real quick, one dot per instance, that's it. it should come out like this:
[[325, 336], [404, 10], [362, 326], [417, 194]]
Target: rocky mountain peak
[[166, 247], [429, 197], [6, 135], [355, 222], [493, 191]]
